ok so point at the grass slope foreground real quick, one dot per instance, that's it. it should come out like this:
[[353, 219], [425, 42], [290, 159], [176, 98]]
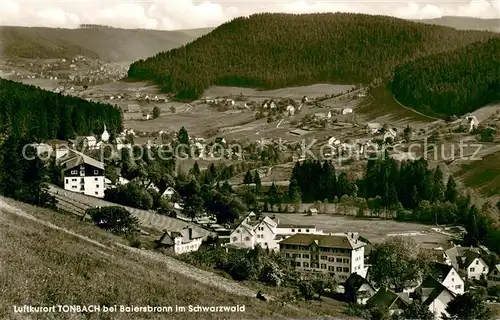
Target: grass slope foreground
[[454, 82], [279, 50], [105, 43]]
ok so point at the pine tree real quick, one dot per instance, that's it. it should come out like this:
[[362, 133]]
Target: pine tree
[[451, 192], [196, 169], [258, 183], [248, 179], [438, 185], [183, 137]]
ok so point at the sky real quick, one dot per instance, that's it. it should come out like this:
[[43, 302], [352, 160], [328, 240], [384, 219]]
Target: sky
[[189, 14]]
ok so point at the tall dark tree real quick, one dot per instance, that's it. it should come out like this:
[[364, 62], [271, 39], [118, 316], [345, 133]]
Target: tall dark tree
[[182, 136], [248, 179], [451, 192], [258, 183], [193, 202], [438, 190], [467, 306]]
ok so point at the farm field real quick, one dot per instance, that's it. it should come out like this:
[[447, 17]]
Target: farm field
[[380, 106], [312, 91], [375, 230], [49, 258], [483, 175]]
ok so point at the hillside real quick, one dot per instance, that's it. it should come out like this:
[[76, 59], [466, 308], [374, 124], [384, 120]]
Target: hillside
[[279, 50], [49, 258], [465, 23], [32, 113], [109, 44], [453, 82]]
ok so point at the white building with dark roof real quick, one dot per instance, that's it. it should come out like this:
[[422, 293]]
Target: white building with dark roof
[[83, 174], [182, 241]]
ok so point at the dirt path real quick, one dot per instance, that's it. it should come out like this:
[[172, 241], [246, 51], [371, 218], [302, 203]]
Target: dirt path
[[202, 276], [415, 111]]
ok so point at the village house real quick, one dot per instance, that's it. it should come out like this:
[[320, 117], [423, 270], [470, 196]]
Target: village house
[[470, 123], [373, 127], [390, 134], [435, 295], [338, 254], [388, 301], [182, 241], [266, 232], [105, 135], [83, 174], [473, 265], [357, 289], [448, 276], [493, 277], [347, 111]]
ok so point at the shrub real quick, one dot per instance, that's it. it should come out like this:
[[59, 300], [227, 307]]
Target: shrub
[[115, 219]]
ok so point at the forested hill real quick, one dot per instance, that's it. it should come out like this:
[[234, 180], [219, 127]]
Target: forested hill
[[453, 82], [28, 112], [105, 43], [279, 50]]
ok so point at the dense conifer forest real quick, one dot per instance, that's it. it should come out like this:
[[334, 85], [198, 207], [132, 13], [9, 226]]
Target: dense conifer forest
[[32, 113], [278, 50], [454, 82]]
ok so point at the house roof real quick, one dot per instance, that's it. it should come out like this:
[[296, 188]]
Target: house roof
[[355, 281], [436, 292], [495, 268], [75, 158], [440, 270], [468, 257], [168, 237], [330, 241], [384, 299]]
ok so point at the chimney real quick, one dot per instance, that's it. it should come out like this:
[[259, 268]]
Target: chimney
[[190, 233]]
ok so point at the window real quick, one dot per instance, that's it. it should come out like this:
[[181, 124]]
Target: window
[[96, 179], [236, 239], [287, 254], [345, 260], [238, 231], [324, 258], [339, 269], [297, 264], [307, 230], [472, 269], [346, 269], [74, 187], [74, 171], [306, 264], [67, 180], [293, 230], [331, 259], [330, 268], [96, 171], [74, 180], [323, 266], [96, 193], [247, 238], [300, 230], [458, 286], [305, 256], [265, 243], [339, 260], [97, 186], [452, 279], [477, 261]]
